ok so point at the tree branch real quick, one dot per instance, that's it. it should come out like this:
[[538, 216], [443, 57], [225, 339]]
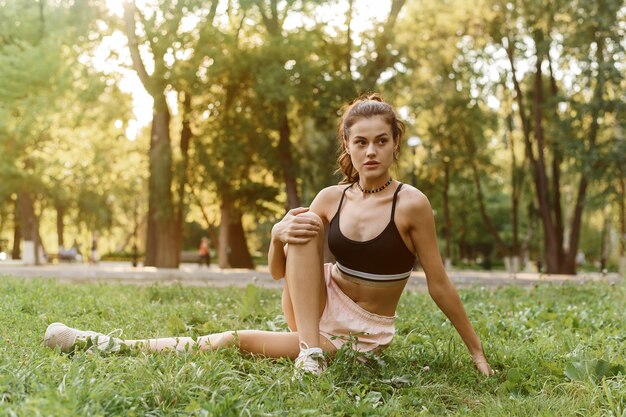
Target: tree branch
[[133, 45]]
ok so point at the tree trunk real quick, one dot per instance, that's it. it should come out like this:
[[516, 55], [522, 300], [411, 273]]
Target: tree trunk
[[552, 253], [286, 159], [622, 221], [185, 139], [60, 225], [515, 190], [17, 232], [161, 248], [605, 240], [239, 256], [224, 243], [17, 240], [29, 227], [570, 259], [160, 245]]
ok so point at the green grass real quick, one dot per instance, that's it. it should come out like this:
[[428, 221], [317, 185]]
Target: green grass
[[558, 351]]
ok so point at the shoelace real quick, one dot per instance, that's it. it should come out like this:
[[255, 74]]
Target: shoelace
[[110, 342]]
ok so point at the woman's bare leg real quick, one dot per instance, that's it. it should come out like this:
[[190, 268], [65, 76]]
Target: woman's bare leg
[[306, 287], [270, 344], [287, 306]]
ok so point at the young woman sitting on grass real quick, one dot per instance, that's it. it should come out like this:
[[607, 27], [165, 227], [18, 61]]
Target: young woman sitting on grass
[[376, 228]]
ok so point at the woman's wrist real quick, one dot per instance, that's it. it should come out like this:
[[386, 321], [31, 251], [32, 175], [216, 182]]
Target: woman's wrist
[[275, 237], [477, 354]]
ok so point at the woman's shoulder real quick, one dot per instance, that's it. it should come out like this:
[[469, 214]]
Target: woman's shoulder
[[333, 191], [327, 199], [412, 200]]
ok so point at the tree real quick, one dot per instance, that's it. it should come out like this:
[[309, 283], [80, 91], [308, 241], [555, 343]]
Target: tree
[[561, 126]]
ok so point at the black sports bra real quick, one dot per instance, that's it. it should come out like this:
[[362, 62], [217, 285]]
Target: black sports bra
[[384, 258]]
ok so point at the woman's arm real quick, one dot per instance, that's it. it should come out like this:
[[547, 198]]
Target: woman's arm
[[424, 238]]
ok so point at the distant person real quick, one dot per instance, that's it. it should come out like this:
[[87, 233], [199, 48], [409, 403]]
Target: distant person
[[204, 252], [376, 228]]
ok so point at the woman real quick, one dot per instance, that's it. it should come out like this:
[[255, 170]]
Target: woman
[[376, 228]]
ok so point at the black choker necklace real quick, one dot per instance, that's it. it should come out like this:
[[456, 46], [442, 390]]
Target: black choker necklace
[[376, 189]]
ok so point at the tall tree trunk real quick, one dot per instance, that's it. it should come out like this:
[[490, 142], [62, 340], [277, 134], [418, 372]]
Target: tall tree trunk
[[17, 240], [515, 189], [17, 232], [224, 243], [553, 253], [286, 159], [60, 225], [605, 239], [239, 256], [28, 226], [550, 249], [185, 139], [556, 165], [622, 220], [570, 259], [160, 246]]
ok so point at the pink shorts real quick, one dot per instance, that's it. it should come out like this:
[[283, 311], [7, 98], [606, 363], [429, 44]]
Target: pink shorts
[[344, 321]]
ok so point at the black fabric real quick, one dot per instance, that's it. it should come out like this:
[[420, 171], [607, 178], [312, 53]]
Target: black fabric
[[385, 254]]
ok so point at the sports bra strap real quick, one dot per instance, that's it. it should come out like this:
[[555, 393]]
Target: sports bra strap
[[341, 200], [393, 205]]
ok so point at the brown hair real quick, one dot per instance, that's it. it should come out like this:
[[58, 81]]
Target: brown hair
[[368, 105]]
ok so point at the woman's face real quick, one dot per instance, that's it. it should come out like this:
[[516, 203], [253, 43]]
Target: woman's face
[[371, 147]]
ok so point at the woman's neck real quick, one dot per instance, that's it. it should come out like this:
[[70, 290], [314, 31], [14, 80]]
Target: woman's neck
[[374, 185]]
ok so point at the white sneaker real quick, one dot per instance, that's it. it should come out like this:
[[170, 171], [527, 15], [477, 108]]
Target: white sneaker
[[310, 360], [66, 338]]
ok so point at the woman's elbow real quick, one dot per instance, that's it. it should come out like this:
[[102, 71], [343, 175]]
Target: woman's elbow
[[276, 274], [437, 292]]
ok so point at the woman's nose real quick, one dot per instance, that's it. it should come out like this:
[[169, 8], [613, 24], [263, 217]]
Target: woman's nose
[[371, 150]]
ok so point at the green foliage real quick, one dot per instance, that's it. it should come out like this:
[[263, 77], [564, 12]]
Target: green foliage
[[557, 350], [593, 370], [256, 67]]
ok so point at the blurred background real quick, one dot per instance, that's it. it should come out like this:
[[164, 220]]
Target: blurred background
[[132, 130]]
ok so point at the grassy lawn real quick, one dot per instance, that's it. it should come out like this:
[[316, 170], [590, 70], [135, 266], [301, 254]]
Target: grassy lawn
[[558, 351]]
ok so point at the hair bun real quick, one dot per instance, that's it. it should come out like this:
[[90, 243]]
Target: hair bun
[[372, 97]]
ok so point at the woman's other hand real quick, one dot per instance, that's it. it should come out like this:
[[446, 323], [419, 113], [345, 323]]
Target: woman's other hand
[[297, 227]]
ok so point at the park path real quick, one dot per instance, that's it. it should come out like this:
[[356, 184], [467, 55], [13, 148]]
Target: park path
[[194, 275]]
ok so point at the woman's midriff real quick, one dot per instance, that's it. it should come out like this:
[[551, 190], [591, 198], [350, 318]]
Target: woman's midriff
[[381, 299]]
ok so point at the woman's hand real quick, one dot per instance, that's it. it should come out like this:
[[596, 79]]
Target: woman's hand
[[297, 227], [480, 362]]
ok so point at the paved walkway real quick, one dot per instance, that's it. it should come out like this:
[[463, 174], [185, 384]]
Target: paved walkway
[[193, 275]]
